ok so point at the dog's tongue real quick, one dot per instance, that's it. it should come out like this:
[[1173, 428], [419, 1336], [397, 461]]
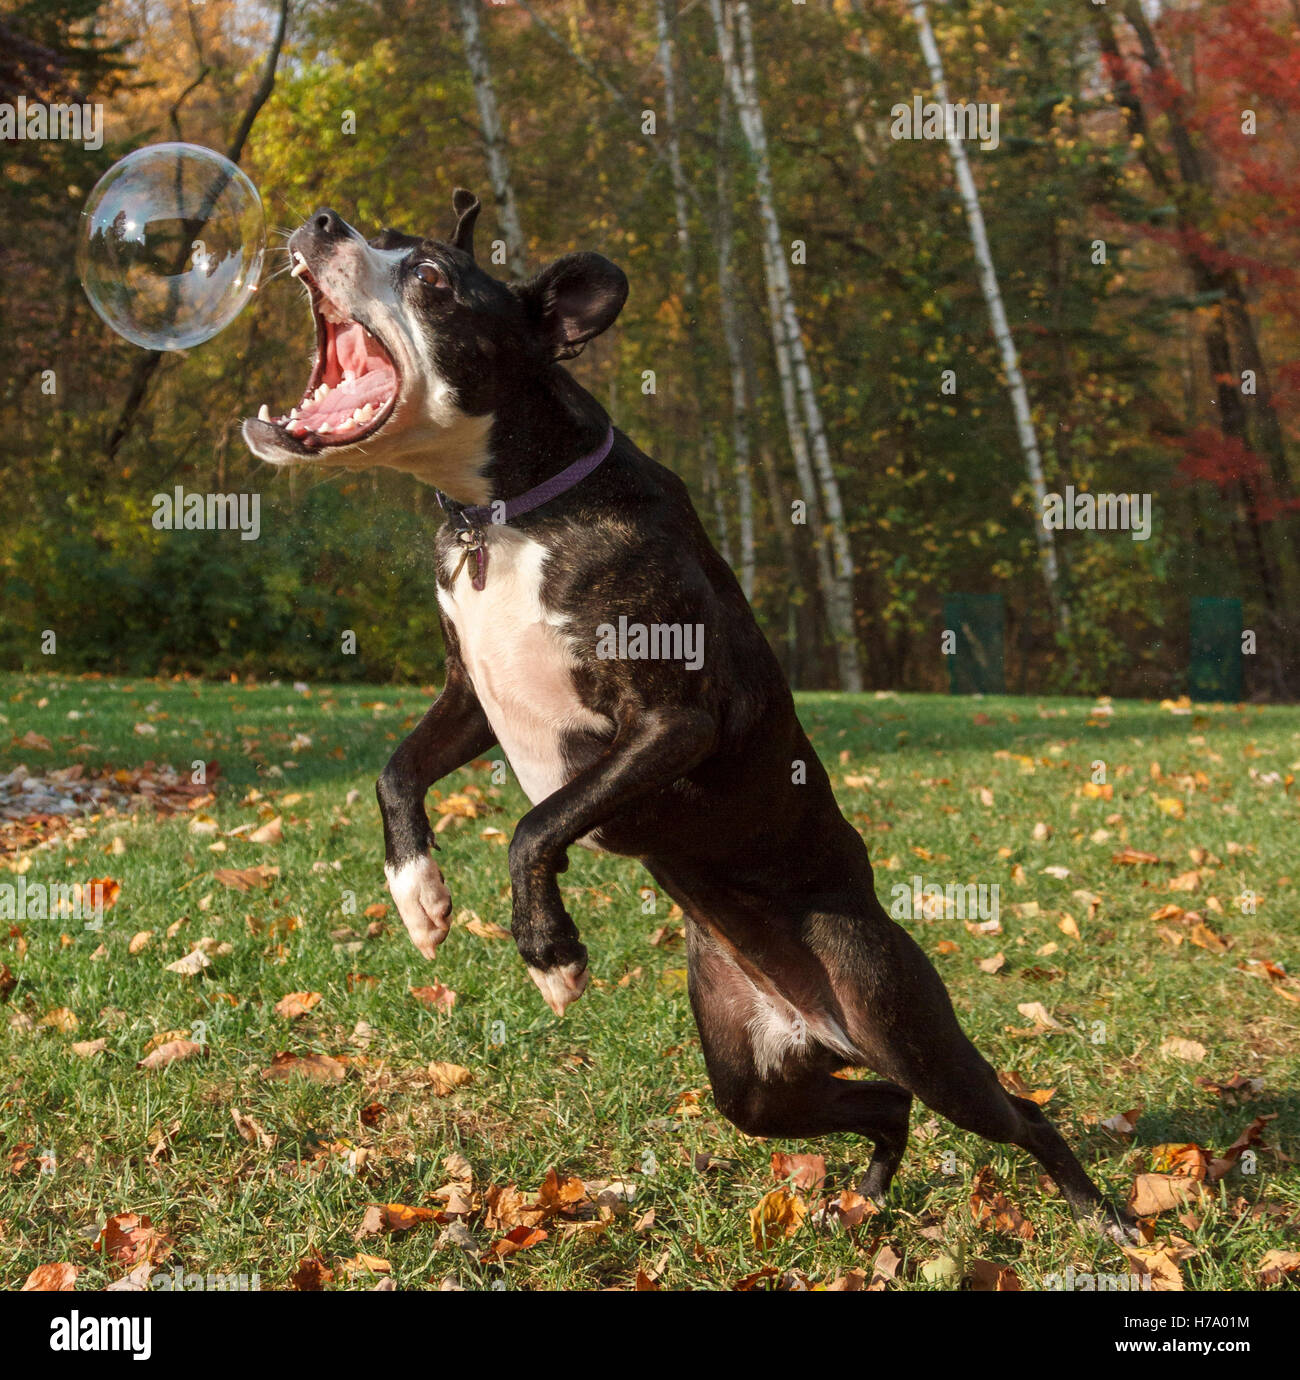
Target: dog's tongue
[[355, 350], [351, 350]]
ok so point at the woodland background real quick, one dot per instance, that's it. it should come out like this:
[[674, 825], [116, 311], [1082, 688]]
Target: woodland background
[[1118, 122]]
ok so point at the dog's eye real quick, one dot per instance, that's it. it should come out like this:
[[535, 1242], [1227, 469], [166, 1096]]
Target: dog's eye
[[431, 275]]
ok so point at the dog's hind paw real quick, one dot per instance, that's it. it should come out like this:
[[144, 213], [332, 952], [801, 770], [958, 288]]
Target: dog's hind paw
[[562, 985], [423, 902]]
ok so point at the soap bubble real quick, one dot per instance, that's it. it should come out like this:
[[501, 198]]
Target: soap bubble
[[171, 245]]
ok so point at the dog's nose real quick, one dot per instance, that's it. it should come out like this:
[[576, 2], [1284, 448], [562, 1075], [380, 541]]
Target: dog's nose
[[329, 223]]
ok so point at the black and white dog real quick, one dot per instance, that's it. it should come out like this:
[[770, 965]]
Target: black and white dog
[[559, 529]]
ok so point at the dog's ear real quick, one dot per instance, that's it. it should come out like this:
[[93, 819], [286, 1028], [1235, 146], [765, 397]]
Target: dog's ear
[[573, 300], [467, 206]]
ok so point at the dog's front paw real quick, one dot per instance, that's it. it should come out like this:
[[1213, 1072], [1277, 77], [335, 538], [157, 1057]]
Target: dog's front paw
[[562, 985], [422, 900]]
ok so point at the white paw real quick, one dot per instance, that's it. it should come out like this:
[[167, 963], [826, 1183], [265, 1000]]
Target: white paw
[[423, 902], [560, 986]]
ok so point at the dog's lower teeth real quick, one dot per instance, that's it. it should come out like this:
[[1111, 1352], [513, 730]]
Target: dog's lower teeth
[[324, 429]]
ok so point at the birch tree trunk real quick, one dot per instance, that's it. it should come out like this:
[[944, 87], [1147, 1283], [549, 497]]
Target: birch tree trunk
[[493, 139], [998, 318], [690, 292], [807, 433], [740, 450]]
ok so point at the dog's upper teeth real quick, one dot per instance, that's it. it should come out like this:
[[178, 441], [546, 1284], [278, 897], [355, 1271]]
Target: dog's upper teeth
[[321, 392], [299, 265], [263, 413]]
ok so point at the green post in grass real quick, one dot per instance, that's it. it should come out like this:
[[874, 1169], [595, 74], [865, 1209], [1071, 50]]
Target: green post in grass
[[1215, 668], [974, 629]]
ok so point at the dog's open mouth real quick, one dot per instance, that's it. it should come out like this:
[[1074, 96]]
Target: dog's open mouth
[[354, 381]]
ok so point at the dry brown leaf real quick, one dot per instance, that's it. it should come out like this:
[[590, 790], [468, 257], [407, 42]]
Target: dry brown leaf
[[1175, 1047], [59, 1278], [776, 1215], [446, 1078], [319, 1068], [807, 1172], [1276, 1267], [130, 1238], [1155, 1193], [992, 1209], [296, 1004], [169, 1053], [435, 996], [247, 878], [270, 832]]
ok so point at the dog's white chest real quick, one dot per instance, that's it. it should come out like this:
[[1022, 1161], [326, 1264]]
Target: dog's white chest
[[516, 657]]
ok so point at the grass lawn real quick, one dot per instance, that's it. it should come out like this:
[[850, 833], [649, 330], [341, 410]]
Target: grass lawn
[[996, 791]]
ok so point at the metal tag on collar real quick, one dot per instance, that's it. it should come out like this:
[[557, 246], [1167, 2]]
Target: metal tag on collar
[[472, 544]]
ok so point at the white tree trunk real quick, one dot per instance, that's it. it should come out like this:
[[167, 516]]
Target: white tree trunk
[[997, 316], [493, 139], [690, 294], [736, 361], [808, 435]]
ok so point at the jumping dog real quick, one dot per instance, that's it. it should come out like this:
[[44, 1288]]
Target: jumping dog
[[559, 529]]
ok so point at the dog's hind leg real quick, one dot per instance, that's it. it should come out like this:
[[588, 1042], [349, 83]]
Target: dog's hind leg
[[771, 1073], [907, 1029]]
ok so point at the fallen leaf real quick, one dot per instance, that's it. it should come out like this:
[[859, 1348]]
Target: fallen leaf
[[169, 1053], [59, 1278], [435, 996], [270, 832], [992, 1209], [85, 1049], [777, 1214], [1175, 1047], [296, 1004], [130, 1238], [1274, 1268], [318, 1068], [806, 1172], [1152, 1194], [246, 878], [448, 1077]]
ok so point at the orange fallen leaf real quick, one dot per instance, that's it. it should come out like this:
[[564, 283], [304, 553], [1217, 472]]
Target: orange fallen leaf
[[435, 996], [807, 1172], [169, 1053], [319, 1068], [59, 1278], [446, 1078], [777, 1214], [296, 1004], [131, 1238]]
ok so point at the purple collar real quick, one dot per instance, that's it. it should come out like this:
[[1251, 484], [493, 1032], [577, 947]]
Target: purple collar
[[470, 520]]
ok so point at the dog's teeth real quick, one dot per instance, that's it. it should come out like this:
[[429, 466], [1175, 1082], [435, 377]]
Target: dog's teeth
[[293, 412], [324, 429], [299, 265], [263, 413], [321, 392]]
